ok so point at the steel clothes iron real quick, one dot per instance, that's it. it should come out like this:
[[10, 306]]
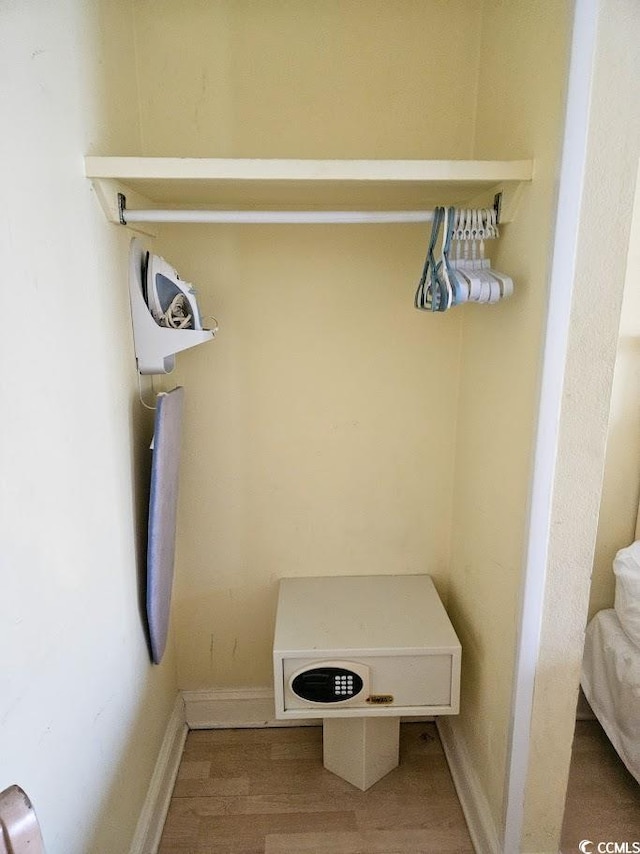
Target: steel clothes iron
[[171, 301]]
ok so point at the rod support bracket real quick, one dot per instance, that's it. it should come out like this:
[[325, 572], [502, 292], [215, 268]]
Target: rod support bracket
[[122, 207], [497, 206]]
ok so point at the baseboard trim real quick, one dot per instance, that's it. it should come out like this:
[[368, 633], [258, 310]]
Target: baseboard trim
[[154, 811], [235, 708], [472, 800], [238, 708]]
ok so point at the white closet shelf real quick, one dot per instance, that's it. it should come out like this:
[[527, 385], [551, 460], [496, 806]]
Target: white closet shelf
[[267, 184]]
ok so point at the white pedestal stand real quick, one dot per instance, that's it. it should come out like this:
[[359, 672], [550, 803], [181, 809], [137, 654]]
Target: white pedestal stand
[[360, 750]]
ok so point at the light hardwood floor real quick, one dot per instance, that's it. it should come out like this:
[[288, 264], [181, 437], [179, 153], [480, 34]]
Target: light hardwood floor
[[265, 791], [603, 799]]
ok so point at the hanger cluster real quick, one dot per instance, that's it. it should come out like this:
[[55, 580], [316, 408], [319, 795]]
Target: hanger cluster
[[446, 280]]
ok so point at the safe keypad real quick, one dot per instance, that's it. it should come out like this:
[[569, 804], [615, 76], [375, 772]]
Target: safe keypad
[[343, 685], [327, 684]]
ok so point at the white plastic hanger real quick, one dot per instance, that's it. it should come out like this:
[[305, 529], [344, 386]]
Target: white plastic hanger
[[490, 285], [463, 265], [468, 277], [456, 285]]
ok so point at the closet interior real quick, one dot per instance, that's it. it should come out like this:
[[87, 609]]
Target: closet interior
[[330, 428]]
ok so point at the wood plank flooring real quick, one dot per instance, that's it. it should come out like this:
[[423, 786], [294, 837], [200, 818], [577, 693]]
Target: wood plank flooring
[[265, 791], [603, 798]]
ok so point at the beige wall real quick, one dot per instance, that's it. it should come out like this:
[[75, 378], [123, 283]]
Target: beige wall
[[520, 114], [320, 424], [621, 485], [605, 220], [319, 432], [285, 78], [82, 711]]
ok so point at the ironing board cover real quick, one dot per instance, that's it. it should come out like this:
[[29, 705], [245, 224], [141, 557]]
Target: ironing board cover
[[163, 502]]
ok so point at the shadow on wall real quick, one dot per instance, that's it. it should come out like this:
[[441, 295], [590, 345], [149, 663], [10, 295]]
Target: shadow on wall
[[141, 423], [621, 485]]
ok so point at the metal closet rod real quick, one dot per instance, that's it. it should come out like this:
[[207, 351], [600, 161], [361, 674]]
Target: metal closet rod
[[274, 217], [282, 217], [290, 217]]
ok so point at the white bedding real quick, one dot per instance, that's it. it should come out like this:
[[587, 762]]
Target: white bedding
[[611, 683]]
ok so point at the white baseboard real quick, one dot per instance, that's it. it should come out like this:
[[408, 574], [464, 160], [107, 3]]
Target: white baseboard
[[235, 708], [154, 811], [472, 800]]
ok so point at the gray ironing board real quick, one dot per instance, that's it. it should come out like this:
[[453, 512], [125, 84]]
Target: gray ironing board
[[163, 502]]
